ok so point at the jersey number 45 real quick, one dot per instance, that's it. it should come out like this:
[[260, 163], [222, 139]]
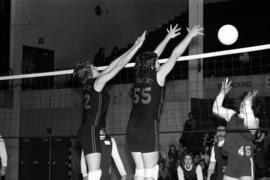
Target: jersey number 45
[[244, 151]]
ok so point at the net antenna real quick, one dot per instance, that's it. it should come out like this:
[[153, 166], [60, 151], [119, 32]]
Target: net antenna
[[129, 65]]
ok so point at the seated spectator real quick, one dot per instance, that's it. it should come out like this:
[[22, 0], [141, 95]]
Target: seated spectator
[[115, 53], [261, 169], [186, 137], [181, 152], [189, 170], [164, 173], [173, 156], [99, 58]]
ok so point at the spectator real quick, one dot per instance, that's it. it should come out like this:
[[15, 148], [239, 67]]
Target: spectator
[[115, 53], [261, 169], [186, 137], [189, 170], [205, 156], [163, 174], [99, 59], [181, 152], [173, 156], [3, 158], [197, 158]]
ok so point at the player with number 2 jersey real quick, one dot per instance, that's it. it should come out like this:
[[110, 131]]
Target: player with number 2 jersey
[[95, 104], [238, 145]]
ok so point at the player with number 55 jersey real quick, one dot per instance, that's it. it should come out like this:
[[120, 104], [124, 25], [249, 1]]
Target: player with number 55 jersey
[[238, 143], [147, 96]]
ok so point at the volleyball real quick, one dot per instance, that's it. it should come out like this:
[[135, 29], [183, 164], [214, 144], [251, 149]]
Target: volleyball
[[228, 34]]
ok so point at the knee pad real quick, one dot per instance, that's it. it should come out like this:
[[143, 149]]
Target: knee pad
[[139, 172], [94, 175], [151, 172]]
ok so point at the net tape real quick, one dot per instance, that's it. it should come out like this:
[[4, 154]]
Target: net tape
[[129, 65]]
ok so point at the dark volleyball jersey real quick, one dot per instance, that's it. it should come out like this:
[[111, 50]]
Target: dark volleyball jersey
[[221, 160], [106, 150], [147, 96], [95, 104], [190, 174], [238, 144]]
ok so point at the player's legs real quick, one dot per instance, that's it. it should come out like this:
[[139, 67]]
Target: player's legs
[[90, 142], [150, 161], [139, 169], [93, 163], [225, 177], [246, 178]]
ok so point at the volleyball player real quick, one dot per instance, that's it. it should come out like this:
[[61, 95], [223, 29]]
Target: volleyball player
[[218, 160], [109, 151], [95, 104], [238, 145], [147, 95]]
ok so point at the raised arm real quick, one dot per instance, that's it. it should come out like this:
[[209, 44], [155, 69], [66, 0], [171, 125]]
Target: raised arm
[[218, 109], [247, 113], [212, 164], [166, 68], [117, 159], [172, 33], [119, 64]]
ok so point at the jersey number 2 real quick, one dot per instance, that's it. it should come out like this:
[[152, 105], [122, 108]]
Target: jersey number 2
[[244, 151], [146, 96], [86, 101]]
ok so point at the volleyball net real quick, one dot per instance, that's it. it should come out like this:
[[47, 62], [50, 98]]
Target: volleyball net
[[50, 103]]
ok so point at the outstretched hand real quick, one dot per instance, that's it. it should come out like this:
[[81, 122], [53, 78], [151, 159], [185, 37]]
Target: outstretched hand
[[195, 31], [226, 86], [250, 96], [173, 31], [139, 41]]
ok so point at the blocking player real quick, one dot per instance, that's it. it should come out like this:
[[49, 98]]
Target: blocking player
[[238, 145], [147, 95], [95, 104]]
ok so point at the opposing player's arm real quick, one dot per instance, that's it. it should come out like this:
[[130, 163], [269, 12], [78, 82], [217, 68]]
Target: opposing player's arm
[[166, 68], [180, 173], [117, 159], [212, 164], [249, 118], [119, 64], [199, 173], [218, 109], [172, 33]]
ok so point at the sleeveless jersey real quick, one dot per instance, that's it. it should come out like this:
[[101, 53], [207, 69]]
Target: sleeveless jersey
[[190, 174], [147, 96], [238, 144], [95, 104], [221, 161], [106, 151]]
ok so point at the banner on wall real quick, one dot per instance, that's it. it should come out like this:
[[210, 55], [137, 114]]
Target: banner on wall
[[240, 85]]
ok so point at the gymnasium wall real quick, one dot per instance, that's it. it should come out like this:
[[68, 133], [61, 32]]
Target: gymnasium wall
[[73, 30]]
